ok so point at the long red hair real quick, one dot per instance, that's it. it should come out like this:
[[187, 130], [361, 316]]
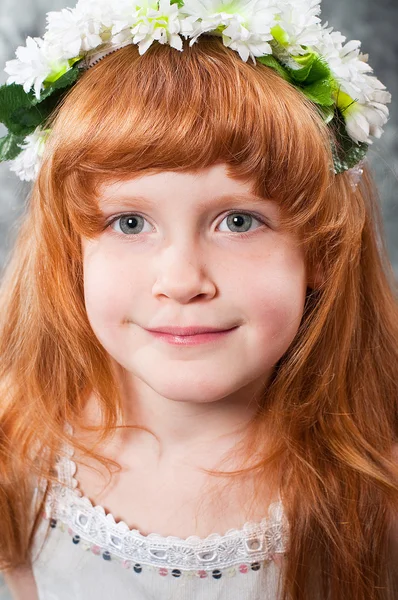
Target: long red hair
[[331, 404]]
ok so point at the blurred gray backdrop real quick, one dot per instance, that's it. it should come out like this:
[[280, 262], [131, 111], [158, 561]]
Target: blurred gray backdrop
[[375, 24]]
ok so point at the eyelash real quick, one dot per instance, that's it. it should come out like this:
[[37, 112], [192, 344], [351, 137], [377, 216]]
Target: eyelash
[[243, 234]]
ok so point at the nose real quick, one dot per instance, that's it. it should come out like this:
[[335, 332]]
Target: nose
[[182, 274]]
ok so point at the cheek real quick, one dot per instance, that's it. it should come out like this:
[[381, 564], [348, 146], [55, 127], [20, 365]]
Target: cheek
[[110, 288], [276, 301]]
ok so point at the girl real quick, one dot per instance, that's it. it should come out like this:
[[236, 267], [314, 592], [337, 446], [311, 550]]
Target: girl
[[199, 356]]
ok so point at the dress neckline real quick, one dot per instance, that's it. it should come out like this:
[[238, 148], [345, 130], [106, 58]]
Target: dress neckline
[[254, 541], [67, 468]]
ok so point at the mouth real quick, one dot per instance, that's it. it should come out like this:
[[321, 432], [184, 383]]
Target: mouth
[[192, 330], [191, 339]]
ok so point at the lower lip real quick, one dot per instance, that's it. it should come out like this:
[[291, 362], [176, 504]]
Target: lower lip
[[191, 340]]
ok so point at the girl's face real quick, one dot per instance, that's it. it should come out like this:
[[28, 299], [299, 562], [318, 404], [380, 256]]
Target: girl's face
[[193, 249]]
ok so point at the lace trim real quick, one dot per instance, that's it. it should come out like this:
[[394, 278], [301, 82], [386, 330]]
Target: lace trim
[[255, 542]]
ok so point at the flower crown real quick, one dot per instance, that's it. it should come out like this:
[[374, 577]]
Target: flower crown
[[285, 35]]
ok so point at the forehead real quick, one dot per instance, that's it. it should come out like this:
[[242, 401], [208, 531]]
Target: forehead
[[201, 189]]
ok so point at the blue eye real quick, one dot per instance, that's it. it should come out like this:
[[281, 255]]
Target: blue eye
[[130, 223], [237, 220], [133, 224]]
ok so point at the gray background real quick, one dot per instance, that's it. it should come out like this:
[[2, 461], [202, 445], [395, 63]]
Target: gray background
[[374, 23]]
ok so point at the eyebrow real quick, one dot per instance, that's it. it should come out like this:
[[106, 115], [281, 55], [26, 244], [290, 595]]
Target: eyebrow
[[132, 200]]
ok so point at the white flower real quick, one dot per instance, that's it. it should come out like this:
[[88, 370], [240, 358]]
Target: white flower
[[330, 47], [300, 23], [350, 68], [360, 96], [365, 89], [35, 62], [27, 163], [246, 24], [107, 18], [151, 23], [106, 12], [253, 28], [75, 32], [69, 33], [364, 120], [31, 67]]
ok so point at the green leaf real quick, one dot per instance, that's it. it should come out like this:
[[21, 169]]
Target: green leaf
[[12, 97], [315, 80], [63, 82], [9, 148], [22, 113], [313, 69], [320, 93], [320, 70], [25, 120], [306, 62], [270, 61]]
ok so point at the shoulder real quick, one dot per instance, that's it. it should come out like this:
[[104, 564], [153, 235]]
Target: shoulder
[[21, 583]]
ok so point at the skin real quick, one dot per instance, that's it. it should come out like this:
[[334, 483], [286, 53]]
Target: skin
[[185, 264]]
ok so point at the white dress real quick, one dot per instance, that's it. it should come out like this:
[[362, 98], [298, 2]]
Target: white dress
[[88, 556]]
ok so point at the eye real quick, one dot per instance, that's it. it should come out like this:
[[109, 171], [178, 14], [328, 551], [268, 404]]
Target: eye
[[238, 222], [241, 220], [130, 223]]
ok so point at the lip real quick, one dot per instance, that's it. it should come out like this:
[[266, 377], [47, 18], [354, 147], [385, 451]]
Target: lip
[[193, 330], [194, 339]]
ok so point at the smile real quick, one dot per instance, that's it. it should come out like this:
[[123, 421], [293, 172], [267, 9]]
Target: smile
[[191, 340]]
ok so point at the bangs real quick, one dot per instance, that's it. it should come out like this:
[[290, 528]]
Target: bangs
[[182, 111]]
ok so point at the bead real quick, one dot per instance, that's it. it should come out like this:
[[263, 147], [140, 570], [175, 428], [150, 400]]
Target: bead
[[76, 539], [137, 568], [243, 568], [255, 566], [176, 573], [202, 574], [189, 574], [217, 574], [106, 555], [53, 523]]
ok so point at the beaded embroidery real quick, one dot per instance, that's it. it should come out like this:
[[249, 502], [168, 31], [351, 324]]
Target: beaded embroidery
[[89, 526], [242, 568]]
